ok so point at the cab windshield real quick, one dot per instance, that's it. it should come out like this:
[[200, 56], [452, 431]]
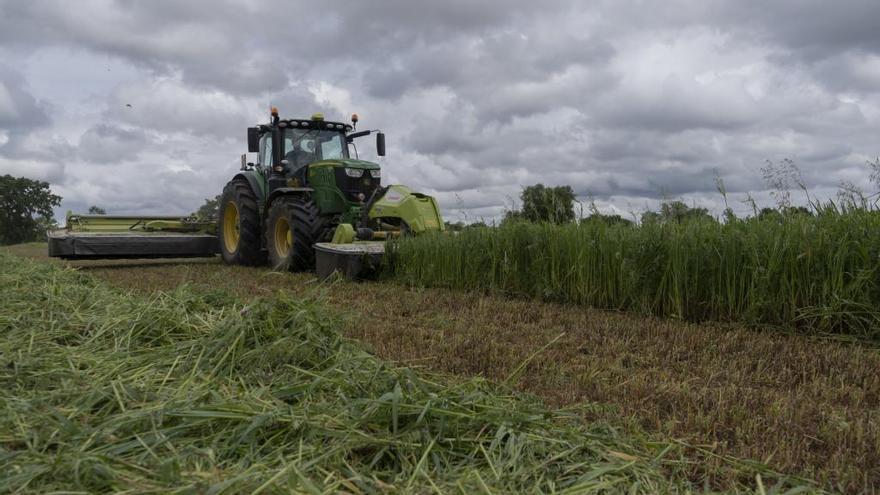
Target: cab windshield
[[304, 146]]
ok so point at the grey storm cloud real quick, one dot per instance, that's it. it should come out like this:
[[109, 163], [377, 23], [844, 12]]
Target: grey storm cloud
[[19, 111], [626, 103], [111, 144]]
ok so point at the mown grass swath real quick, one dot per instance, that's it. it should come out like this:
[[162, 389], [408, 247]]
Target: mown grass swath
[[816, 273], [102, 390]]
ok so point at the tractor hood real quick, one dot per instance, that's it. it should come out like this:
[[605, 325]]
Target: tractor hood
[[347, 163]]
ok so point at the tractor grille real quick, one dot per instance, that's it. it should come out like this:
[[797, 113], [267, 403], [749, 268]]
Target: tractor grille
[[351, 186]]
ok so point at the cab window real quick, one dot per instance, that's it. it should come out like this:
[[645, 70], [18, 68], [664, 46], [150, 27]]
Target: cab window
[[266, 150]]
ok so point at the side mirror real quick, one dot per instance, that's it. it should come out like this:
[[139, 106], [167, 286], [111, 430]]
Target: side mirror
[[380, 143], [253, 140]]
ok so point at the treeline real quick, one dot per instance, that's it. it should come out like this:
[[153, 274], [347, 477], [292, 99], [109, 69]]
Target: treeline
[[560, 205], [556, 205]]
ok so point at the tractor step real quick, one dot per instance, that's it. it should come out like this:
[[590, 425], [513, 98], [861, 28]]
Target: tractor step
[[355, 261], [96, 245]]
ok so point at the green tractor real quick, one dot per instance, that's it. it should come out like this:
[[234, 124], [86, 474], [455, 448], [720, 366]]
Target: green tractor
[[305, 195], [306, 189]]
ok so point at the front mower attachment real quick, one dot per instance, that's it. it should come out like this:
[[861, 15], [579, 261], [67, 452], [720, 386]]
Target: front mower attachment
[[116, 237], [355, 261]]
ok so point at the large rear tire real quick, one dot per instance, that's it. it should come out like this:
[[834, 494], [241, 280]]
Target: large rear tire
[[293, 226], [238, 225]]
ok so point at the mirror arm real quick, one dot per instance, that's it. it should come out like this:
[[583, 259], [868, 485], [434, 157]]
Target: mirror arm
[[351, 137]]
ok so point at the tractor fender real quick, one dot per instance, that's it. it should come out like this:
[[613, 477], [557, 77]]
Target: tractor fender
[[288, 191], [257, 185]]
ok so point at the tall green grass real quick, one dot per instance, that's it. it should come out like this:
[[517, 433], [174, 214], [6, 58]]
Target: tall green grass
[[815, 273], [194, 392]]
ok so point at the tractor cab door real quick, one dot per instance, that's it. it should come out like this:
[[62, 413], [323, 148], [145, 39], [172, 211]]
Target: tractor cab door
[[266, 151]]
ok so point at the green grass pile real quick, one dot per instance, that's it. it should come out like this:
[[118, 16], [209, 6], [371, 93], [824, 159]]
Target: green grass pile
[[192, 392], [813, 273]]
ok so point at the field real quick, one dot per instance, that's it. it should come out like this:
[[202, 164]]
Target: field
[[199, 393], [798, 404]]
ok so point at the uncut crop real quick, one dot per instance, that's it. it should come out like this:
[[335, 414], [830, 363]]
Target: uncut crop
[[192, 392], [813, 273]]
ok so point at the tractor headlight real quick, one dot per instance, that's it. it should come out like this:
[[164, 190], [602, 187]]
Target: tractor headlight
[[355, 173], [376, 173]]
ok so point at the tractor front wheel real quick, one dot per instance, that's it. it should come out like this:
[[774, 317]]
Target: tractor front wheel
[[293, 226], [238, 226]]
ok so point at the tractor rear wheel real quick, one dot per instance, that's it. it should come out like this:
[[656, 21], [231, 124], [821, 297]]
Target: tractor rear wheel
[[293, 226], [238, 225]]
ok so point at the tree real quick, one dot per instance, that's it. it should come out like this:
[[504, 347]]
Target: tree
[[97, 210], [547, 204], [783, 213], [798, 211], [25, 209], [512, 216], [768, 213], [650, 217], [675, 211], [210, 210], [606, 219]]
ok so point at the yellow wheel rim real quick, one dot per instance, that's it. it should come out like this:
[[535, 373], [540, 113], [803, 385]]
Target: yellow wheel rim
[[231, 227], [283, 238]]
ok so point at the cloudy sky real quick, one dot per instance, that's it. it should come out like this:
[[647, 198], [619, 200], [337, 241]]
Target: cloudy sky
[[626, 101]]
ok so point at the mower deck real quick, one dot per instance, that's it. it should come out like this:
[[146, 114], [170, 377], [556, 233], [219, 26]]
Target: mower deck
[[356, 260], [115, 245]]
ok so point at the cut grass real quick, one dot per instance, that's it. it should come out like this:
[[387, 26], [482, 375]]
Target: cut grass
[[102, 390], [808, 406]]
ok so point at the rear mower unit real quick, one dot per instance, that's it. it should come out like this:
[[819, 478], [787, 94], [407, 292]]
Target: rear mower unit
[[113, 236], [305, 201]]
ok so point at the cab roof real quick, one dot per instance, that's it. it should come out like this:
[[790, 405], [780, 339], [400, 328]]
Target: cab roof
[[309, 124]]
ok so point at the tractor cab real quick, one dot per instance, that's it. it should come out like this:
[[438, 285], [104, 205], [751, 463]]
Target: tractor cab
[[314, 156], [301, 147], [287, 148]]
